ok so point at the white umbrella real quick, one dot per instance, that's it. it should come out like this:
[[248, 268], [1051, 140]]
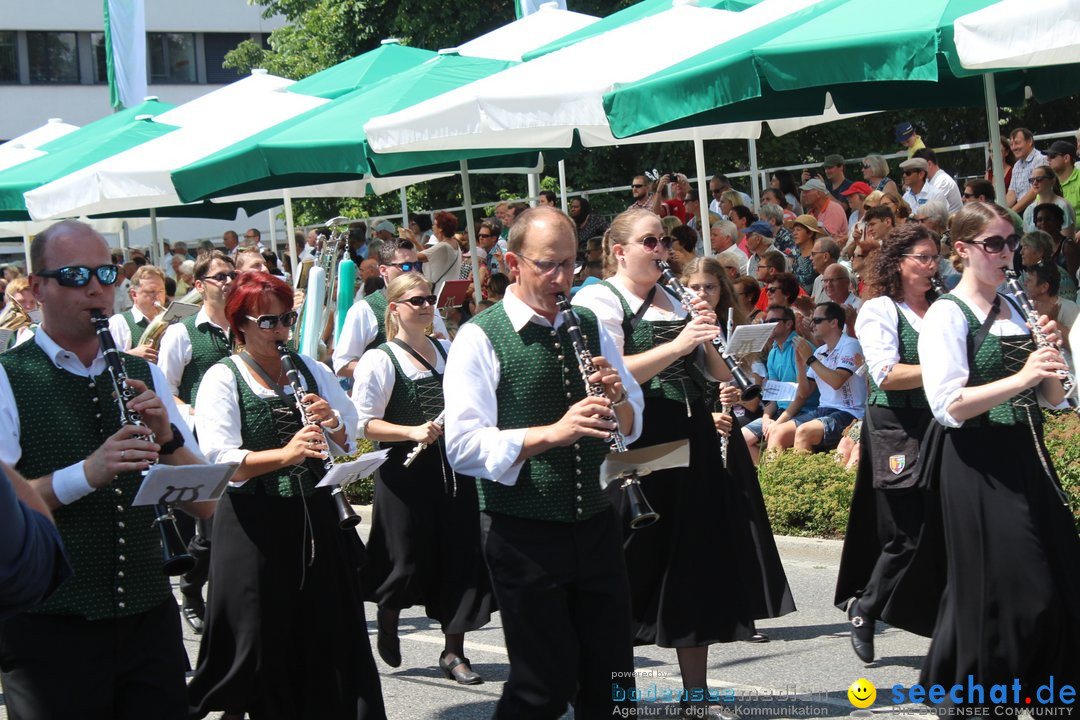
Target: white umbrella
[[24, 147], [1017, 34], [535, 30]]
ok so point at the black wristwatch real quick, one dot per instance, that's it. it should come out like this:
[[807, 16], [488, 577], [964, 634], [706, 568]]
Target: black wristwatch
[[173, 445]]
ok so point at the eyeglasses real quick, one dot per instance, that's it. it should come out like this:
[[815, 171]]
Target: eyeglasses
[[269, 322], [484, 235], [968, 195], [221, 277], [79, 275], [650, 242], [996, 243], [818, 320], [773, 288], [636, 186], [421, 300], [550, 267], [1036, 179], [406, 267], [924, 259], [866, 166], [706, 288]]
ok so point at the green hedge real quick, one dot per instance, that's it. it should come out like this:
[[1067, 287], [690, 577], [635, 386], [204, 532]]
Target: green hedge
[[810, 494], [361, 492]]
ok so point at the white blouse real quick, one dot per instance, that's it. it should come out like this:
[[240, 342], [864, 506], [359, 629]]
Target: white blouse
[[876, 329], [374, 379], [608, 310]]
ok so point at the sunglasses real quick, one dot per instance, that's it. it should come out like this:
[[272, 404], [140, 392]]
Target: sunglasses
[[1035, 179], [969, 195], [818, 320], [910, 172], [996, 243], [221, 277], [484, 235], [417, 266], [637, 186], [420, 301], [269, 322], [650, 242], [79, 275], [866, 167], [773, 288]]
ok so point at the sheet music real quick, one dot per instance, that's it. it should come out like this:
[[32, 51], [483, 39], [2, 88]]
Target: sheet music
[[179, 311], [779, 391], [183, 483], [361, 467], [749, 339]]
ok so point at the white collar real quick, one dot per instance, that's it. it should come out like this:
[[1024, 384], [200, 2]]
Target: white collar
[[520, 314], [61, 357]]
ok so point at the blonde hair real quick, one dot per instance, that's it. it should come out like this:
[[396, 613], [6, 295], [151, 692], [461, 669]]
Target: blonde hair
[[968, 222], [395, 291], [147, 271], [669, 223], [732, 197], [618, 233], [873, 199], [18, 285]]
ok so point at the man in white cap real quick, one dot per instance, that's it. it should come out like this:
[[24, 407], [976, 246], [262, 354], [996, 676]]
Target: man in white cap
[[919, 190], [818, 201]]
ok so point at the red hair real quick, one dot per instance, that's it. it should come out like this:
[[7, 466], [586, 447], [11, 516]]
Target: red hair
[[252, 292], [447, 222]]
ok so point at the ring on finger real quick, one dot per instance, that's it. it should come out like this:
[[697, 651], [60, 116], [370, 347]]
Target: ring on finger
[[122, 453]]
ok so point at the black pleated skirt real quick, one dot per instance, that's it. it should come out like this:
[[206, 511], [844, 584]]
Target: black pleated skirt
[[685, 589], [285, 630], [1011, 605], [424, 547]]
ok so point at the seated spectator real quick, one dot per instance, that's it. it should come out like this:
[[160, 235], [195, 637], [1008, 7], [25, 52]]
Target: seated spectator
[[826, 252], [497, 284], [772, 263], [837, 283], [1050, 219], [879, 223], [1007, 161], [773, 196], [875, 171], [856, 195], [758, 242], [1037, 248], [731, 199], [908, 138], [591, 272], [683, 247], [718, 184], [829, 214], [546, 197], [1042, 282], [783, 290], [588, 225], [250, 259], [782, 239], [743, 218], [724, 236], [918, 189], [641, 191], [784, 181], [669, 223], [1048, 191], [270, 258], [806, 231], [832, 167], [833, 370], [1020, 192], [940, 179], [747, 292], [934, 216], [781, 366]]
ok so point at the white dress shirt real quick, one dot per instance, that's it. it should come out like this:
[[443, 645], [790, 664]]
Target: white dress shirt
[[374, 378], [877, 330], [928, 193], [944, 338], [360, 328], [475, 445], [10, 447], [175, 351], [120, 330], [217, 409], [948, 187]]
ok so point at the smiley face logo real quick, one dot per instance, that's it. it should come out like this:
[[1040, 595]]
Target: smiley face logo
[[862, 693]]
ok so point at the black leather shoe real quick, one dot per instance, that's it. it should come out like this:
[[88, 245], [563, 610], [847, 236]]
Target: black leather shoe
[[862, 632], [193, 616], [386, 641], [459, 670]]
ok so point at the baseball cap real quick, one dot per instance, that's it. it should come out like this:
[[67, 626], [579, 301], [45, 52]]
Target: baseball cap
[[760, 227], [914, 164], [903, 131], [1061, 147], [858, 187], [385, 225], [814, 184], [831, 160]]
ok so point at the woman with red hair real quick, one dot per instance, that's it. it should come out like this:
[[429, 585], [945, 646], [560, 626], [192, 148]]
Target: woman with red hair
[[285, 631], [442, 256]]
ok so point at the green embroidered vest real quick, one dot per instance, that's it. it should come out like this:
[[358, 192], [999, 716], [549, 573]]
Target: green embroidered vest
[[909, 355], [996, 358], [137, 327], [682, 381], [268, 424], [539, 380], [377, 302], [208, 345], [412, 402], [114, 548]]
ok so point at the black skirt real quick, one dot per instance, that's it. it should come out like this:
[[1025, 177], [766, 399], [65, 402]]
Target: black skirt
[[685, 591], [1011, 605], [285, 630], [424, 547]]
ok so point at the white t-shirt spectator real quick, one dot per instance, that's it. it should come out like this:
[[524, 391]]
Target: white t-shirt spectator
[[928, 193], [846, 355], [948, 187]]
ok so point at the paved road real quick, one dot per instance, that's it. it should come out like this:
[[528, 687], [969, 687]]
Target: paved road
[[806, 667]]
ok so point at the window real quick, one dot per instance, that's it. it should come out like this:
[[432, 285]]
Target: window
[[216, 45], [171, 57], [97, 55], [54, 57], [9, 58]]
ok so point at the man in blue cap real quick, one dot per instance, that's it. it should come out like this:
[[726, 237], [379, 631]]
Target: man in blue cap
[[906, 136], [759, 240]]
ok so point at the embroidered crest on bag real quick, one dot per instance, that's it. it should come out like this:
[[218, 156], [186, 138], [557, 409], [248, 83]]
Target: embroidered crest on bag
[[897, 463]]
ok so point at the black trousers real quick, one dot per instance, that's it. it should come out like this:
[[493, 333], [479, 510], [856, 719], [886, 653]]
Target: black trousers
[[64, 667], [563, 592], [191, 583]]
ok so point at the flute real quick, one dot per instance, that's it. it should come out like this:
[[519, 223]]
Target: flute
[[1032, 316], [347, 517], [749, 388], [420, 447]]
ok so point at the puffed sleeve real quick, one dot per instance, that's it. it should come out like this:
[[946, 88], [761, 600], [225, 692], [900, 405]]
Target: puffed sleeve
[[373, 382]]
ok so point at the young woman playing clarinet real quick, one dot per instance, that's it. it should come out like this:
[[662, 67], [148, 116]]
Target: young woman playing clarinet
[[1011, 606], [887, 511], [285, 632], [674, 603], [424, 547]]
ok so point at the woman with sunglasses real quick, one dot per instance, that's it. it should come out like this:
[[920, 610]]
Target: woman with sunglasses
[[424, 547], [285, 631], [764, 573], [887, 508], [875, 171], [1048, 190], [1010, 611], [673, 603]]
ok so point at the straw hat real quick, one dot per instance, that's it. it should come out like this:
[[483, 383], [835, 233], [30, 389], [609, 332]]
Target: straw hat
[[810, 223]]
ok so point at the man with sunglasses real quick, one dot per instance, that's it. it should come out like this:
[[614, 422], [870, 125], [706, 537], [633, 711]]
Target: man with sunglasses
[[108, 642], [941, 179], [365, 323], [551, 539], [918, 190], [641, 190]]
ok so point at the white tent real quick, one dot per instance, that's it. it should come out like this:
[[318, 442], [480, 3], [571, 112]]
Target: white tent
[[24, 147], [511, 41], [1015, 34]]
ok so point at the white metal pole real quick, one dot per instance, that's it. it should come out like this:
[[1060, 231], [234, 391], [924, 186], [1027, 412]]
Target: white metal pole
[[404, 209], [273, 230], [534, 189], [562, 186], [993, 129], [755, 189], [470, 223], [290, 237], [125, 241], [26, 251], [703, 193], [156, 242]]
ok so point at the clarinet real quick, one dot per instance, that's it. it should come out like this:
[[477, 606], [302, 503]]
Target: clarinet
[[641, 513], [937, 285], [347, 517], [420, 447], [1032, 316], [749, 388], [177, 561]]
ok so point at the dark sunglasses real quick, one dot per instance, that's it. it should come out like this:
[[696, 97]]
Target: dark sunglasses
[[484, 235], [996, 243], [421, 300], [818, 320], [773, 288], [650, 242], [269, 322], [910, 172], [79, 275], [637, 186], [866, 167], [408, 266], [1037, 179], [969, 195], [221, 277]]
